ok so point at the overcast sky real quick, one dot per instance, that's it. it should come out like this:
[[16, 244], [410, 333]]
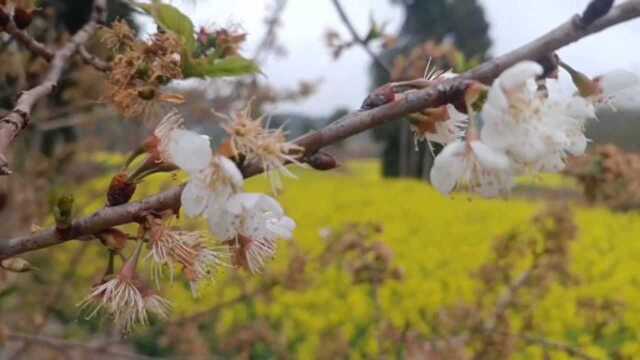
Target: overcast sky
[[345, 82]]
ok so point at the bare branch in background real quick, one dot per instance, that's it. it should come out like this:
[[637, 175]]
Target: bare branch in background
[[12, 123], [347, 126], [30, 43], [93, 60], [347, 22], [269, 39], [41, 50], [60, 118]]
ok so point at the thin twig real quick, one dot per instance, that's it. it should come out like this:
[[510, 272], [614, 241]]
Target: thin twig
[[347, 126], [12, 123], [270, 35], [347, 22], [41, 50]]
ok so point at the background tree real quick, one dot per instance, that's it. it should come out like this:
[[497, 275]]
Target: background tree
[[460, 22]]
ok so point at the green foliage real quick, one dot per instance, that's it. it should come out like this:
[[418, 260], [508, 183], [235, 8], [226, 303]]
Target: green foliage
[[62, 209], [216, 67], [171, 19]]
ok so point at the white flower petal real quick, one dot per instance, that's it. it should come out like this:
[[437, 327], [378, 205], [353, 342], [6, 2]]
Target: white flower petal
[[230, 171], [189, 150], [553, 163], [626, 101], [580, 108], [617, 80], [517, 76], [282, 228], [490, 158], [194, 198], [448, 167], [577, 145], [269, 205], [239, 203], [222, 223]]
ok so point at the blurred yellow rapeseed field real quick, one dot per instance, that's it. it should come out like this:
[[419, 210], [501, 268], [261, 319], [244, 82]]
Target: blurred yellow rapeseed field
[[311, 303]]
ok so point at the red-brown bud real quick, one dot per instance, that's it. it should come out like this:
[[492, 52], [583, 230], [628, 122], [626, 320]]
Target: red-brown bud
[[322, 161], [380, 96], [22, 18], [120, 190]]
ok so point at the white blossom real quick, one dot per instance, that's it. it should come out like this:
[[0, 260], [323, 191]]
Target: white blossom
[[189, 150], [536, 132], [620, 92], [251, 223], [471, 165], [163, 133], [213, 184]]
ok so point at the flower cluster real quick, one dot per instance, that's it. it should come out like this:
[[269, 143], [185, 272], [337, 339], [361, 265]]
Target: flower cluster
[[139, 71], [221, 41], [249, 224], [519, 130]]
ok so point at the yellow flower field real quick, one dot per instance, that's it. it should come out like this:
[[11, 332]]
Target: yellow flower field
[[310, 305]]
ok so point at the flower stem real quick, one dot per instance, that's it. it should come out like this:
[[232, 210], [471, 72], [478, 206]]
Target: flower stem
[[586, 86], [129, 268]]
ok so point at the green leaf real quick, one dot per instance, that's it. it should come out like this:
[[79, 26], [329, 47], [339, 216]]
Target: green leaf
[[215, 67], [171, 19]]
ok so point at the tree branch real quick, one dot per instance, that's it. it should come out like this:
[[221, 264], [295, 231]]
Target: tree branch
[[347, 22], [12, 123], [30, 43], [270, 35], [345, 127], [41, 50]]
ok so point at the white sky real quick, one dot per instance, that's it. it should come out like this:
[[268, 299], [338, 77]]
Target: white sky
[[346, 82]]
